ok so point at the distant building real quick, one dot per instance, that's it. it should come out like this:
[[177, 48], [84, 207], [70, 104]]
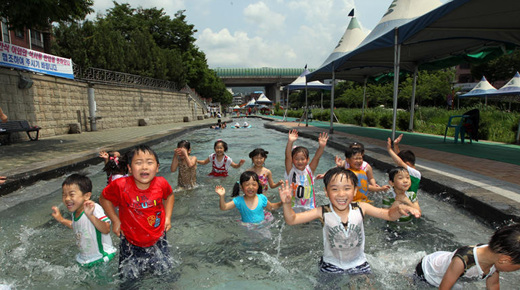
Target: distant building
[[28, 38], [238, 99]]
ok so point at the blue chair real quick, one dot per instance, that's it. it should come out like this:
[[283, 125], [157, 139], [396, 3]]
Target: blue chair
[[458, 122]]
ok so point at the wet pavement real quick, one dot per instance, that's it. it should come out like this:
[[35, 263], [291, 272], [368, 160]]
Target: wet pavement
[[487, 188]]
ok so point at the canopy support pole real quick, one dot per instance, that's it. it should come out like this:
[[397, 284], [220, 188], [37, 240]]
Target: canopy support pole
[[397, 59], [287, 107], [331, 129], [364, 100], [518, 134], [412, 102], [306, 106]]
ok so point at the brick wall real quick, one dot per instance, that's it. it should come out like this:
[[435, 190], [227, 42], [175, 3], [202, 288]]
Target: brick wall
[[53, 103]]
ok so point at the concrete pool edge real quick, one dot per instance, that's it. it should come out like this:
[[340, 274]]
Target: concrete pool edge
[[487, 205]]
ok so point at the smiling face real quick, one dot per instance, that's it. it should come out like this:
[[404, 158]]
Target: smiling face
[[73, 198], [401, 182], [300, 160], [258, 160], [250, 187], [143, 168], [340, 191], [355, 161], [220, 149]]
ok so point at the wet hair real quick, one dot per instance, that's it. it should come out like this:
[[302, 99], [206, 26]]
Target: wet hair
[[339, 171], [407, 156], [506, 241], [258, 151], [300, 149], [244, 177], [140, 148], [351, 151], [224, 144], [358, 145], [82, 181], [394, 170], [115, 164], [184, 144]]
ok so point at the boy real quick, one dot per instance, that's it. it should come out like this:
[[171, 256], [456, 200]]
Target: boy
[[365, 166], [354, 159], [145, 209], [343, 232], [502, 254], [405, 159], [90, 224]]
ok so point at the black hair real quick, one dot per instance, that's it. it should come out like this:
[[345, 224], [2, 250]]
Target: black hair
[[351, 151], [244, 177], [358, 145], [299, 149], [258, 151], [140, 148], [337, 171], [394, 170], [82, 181], [407, 156], [506, 241], [116, 164], [224, 144], [184, 144]]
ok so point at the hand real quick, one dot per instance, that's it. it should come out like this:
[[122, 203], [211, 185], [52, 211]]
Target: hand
[[242, 161], [56, 214], [320, 176], [408, 210], [220, 190], [167, 225], [279, 183], [180, 151], [104, 155], [285, 192], [384, 187], [2, 179], [339, 162], [389, 144], [293, 135], [322, 140], [398, 139], [88, 207], [116, 228]]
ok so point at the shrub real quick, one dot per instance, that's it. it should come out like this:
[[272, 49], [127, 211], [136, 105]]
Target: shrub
[[370, 119], [386, 121]]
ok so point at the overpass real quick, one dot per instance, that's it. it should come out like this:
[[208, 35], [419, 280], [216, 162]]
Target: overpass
[[271, 78]]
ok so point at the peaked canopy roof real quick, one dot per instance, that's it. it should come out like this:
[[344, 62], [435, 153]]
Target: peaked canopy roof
[[263, 100], [483, 88], [455, 29], [349, 41], [299, 83]]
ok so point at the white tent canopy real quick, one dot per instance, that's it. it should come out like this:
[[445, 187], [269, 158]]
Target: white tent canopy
[[483, 88], [301, 83], [263, 100]]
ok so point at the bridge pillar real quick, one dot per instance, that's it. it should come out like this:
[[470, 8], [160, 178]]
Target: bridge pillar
[[273, 92]]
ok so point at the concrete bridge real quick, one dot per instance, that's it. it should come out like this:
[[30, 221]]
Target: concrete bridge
[[273, 79]]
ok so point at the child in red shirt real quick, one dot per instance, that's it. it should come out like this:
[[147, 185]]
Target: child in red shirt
[[145, 209]]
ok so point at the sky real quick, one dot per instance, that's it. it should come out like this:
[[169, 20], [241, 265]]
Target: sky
[[266, 33]]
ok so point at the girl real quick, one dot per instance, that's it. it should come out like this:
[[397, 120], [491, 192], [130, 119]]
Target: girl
[[219, 160], [187, 165], [265, 176], [252, 204], [115, 165], [401, 182], [365, 166], [300, 173]]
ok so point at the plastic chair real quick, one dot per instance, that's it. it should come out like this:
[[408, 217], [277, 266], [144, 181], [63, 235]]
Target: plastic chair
[[458, 122]]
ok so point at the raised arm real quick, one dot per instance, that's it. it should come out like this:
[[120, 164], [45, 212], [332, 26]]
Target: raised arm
[[269, 175], [322, 140], [391, 214], [175, 160], [293, 136], [235, 165], [56, 214], [397, 160], [221, 191], [101, 226], [292, 218], [396, 144], [110, 210], [340, 162]]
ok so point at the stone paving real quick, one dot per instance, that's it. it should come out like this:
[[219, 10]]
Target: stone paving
[[487, 188]]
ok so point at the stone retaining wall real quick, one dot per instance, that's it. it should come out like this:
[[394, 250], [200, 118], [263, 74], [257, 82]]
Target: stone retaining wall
[[53, 103]]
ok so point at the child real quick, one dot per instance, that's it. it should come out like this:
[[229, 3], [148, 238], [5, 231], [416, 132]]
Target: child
[[442, 269], [251, 205], [115, 165], [219, 160], [145, 209], [354, 159], [300, 172], [246, 124], [365, 166], [90, 224], [405, 159], [399, 179], [265, 176], [343, 233], [187, 165]]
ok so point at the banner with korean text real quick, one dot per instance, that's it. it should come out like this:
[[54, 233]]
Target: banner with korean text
[[31, 60]]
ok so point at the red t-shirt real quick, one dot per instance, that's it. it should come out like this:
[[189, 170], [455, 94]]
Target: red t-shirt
[[141, 211]]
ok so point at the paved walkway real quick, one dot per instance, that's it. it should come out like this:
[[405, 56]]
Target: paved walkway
[[487, 187]]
